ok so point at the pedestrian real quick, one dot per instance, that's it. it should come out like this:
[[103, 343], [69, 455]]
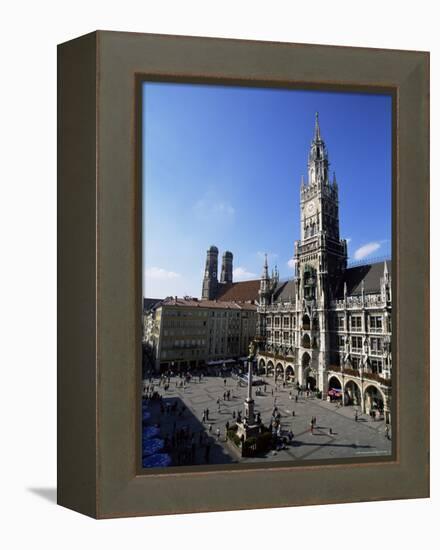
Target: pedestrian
[[356, 416], [233, 415], [210, 428], [387, 431], [293, 413], [224, 381], [204, 417], [218, 433], [330, 431], [296, 398], [207, 414]]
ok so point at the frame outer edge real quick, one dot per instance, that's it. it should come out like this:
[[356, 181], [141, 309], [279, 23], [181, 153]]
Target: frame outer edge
[[76, 265]]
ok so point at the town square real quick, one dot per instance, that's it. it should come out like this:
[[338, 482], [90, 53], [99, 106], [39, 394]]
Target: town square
[[189, 415]]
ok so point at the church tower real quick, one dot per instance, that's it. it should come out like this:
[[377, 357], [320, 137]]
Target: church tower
[[210, 280], [226, 275], [321, 258]]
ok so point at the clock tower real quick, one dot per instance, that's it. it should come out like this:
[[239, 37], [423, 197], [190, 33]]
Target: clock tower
[[320, 249], [321, 258]]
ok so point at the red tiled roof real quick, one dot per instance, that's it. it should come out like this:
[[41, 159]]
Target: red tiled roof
[[244, 291], [194, 302]]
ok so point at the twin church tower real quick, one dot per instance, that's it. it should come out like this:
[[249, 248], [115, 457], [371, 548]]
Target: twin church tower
[[211, 284]]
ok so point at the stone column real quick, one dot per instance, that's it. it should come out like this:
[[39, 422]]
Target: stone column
[[300, 374], [343, 390], [249, 402]]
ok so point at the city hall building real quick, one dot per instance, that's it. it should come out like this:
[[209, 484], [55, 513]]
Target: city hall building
[[329, 328]]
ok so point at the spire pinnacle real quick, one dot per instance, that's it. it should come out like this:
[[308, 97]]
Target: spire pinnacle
[[317, 129], [265, 274]]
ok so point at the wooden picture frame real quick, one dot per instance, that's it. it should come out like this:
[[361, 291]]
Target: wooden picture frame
[[99, 273]]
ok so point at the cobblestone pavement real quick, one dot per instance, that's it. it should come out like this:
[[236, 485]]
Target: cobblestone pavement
[[348, 438]]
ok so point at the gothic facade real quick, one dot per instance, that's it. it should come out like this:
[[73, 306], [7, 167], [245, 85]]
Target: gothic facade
[[330, 327]]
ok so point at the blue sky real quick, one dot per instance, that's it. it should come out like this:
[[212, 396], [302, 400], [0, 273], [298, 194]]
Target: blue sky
[[222, 165]]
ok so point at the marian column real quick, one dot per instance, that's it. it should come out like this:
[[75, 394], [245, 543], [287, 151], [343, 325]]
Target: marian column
[[249, 402]]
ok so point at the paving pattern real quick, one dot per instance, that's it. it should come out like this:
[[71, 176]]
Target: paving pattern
[[337, 433]]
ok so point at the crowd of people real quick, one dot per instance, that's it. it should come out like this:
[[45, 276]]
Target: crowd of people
[[189, 442]]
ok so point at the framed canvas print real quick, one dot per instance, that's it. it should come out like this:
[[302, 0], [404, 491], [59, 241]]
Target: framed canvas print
[[243, 274]]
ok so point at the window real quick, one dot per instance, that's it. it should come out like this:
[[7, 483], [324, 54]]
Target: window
[[269, 321], [286, 336], [376, 323], [341, 341], [286, 321], [376, 366], [277, 321], [356, 343], [355, 362], [277, 335], [356, 322], [376, 344], [269, 334], [340, 323]]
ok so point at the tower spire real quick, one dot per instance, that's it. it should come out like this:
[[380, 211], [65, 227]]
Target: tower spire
[[265, 268], [317, 129]]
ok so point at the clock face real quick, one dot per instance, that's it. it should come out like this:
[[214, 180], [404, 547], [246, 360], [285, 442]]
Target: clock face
[[214, 274], [311, 208]]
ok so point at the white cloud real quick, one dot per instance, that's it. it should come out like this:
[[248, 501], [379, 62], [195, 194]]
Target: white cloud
[[365, 250], [291, 263], [242, 274], [160, 273]]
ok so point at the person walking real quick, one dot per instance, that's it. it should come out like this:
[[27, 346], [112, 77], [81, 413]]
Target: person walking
[[218, 433]]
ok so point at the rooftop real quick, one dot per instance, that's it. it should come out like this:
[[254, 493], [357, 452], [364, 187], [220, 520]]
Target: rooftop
[[244, 291], [207, 304]]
